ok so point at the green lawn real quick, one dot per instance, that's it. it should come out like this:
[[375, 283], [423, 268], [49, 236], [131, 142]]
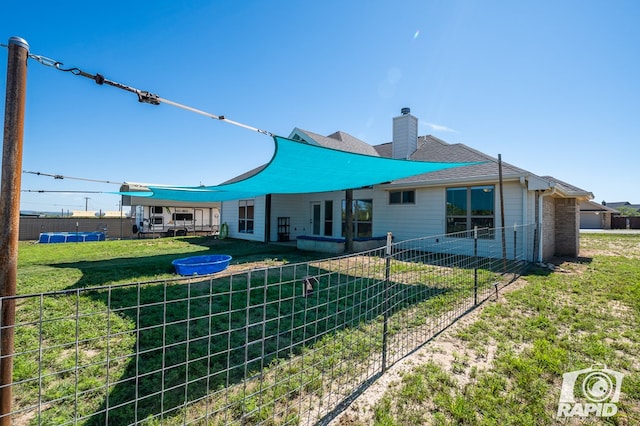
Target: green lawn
[[158, 344], [173, 321], [51, 267], [585, 313], [560, 321]]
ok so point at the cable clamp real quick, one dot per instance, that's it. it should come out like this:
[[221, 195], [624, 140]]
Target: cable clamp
[[148, 97]]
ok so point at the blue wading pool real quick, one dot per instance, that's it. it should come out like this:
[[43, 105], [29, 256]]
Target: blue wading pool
[[202, 265], [70, 237]]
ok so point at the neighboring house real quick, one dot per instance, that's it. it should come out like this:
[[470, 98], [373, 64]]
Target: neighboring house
[[423, 205], [627, 215], [596, 216], [624, 204]]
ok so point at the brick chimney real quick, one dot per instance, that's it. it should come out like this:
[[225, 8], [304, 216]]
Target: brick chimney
[[405, 134]]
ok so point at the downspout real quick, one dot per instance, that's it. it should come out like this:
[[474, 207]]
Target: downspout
[[541, 218]]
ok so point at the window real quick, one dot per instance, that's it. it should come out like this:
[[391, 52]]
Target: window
[[469, 207], [156, 220], [362, 218], [188, 217], [328, 218], [156, 209], [402, 197], [245, 216]]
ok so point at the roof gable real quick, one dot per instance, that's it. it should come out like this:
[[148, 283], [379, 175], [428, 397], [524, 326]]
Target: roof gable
[[338, 140]]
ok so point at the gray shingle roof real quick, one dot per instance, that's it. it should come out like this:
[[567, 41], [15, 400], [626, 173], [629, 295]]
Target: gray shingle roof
[[566, 187], [617, 204], [342, 141], [431, 148]]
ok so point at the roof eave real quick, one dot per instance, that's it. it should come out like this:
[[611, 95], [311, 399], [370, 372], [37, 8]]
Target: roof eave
[[451, 182]]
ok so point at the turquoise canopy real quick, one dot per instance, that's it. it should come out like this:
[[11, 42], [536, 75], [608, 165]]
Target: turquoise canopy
[[297, 168]]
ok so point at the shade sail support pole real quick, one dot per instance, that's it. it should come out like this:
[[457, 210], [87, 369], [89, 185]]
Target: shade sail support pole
[[10, 212]]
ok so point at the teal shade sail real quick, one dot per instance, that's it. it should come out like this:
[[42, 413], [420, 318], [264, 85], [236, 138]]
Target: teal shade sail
[[298, 168]]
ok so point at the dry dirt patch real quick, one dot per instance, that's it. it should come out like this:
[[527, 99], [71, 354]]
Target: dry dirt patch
[[447, 350]]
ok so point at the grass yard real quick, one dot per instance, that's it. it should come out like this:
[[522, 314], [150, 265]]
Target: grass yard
[[51, 267], [171, 341], [504, 364], [51, 346], [142, 349]]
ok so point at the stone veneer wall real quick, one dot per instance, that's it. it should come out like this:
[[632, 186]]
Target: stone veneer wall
[[548, 228], [567, 227]]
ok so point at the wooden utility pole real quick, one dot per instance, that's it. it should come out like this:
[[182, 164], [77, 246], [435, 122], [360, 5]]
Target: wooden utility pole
[[10, 212]]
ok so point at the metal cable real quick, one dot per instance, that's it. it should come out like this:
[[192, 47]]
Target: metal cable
[[143, 96], [56, 176], [42, 191]]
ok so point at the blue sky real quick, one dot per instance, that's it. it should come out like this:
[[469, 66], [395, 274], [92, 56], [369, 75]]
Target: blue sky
[[552, 86]]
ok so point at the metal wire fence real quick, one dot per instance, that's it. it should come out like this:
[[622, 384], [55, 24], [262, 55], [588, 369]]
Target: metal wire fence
[[281, 345]]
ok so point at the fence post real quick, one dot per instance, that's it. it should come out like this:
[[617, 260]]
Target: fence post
[[10, 211], [475, 265], [385, 295]]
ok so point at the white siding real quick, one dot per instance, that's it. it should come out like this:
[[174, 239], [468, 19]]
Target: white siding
[[229, 216], [293, 207], [427, 217], [407, 221]]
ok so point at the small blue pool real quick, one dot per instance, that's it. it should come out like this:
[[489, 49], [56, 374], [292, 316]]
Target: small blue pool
[[202, 265], [70, 237]]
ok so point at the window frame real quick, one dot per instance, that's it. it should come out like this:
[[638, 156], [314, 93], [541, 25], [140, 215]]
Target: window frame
[[246, 216], [182, 217], [407, 196], [358, 222], [471, 214]]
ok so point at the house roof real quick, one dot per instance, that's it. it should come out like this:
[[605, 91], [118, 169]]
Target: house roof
[[337, 140], [592, 206], [431, 148], [567, 188], [617, 204]]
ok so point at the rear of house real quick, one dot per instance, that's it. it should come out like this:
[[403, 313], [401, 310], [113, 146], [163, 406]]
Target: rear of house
[[437, 203]]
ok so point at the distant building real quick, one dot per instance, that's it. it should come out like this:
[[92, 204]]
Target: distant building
[[596, 216]]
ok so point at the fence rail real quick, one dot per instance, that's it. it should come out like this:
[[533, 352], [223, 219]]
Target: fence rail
[[280, 345]]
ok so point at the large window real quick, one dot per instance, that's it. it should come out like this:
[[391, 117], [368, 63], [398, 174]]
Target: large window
[[245, 216], [362, 218], [468, 207], [402, 197]]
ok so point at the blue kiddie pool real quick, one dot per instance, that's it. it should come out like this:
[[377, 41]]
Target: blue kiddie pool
[[70, 237], [202, 265]]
